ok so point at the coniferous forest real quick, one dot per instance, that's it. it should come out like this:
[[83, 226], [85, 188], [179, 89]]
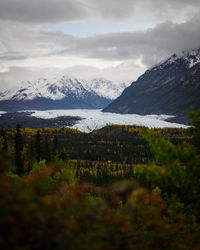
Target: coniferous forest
[[119, 187]]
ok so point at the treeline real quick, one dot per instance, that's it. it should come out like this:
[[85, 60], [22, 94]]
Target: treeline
[[122, 144], [101, 157]]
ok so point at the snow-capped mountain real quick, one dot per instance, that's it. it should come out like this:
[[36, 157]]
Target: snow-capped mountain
[[62, 92], [105, 88], [174, 65], [170, 87], [188, 58]]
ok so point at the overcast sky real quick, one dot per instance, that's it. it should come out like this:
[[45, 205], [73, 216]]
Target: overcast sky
[[114, 39]]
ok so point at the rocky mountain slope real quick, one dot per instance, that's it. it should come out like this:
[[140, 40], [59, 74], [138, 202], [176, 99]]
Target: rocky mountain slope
[[62, 93], [170, 87]]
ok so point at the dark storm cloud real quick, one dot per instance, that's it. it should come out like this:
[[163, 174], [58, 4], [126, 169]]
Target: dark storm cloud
[[52, 11]]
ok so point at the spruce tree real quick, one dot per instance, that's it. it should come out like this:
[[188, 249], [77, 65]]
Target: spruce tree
[[47, 150], [195, 129], [31, 155], [38, 146], [5, 143], [55, 145], [19, 161]]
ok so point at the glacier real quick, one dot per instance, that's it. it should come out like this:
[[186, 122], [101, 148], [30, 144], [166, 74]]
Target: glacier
[[2, 112], [96, 119]]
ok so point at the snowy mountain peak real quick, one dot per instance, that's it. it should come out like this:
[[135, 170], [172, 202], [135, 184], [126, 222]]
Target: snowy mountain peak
[[63, 87], [189, 58], [176, 63]]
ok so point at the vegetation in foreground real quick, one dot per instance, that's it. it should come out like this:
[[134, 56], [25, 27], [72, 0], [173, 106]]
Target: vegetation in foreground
[[51, 200]]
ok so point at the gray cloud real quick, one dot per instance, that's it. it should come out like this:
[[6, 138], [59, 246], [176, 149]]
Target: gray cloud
[[152, 45], [12, 57], [46, 11], [149, 47], [26, 49], [52, 11]]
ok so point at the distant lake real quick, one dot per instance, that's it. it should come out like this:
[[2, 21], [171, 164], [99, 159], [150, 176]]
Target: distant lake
[[95, 119]]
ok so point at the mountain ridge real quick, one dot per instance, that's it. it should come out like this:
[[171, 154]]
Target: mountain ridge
[[170, 87], [62, 92]]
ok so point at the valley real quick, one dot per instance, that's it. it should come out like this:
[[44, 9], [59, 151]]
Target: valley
[[99, 125], [85, 120], [133, 166]]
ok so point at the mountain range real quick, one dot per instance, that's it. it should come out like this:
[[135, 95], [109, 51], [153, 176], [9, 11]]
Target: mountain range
[[61, 93], [170, 87]]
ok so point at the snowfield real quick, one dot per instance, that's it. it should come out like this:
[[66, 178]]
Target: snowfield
[[95, 119], [2, 112]]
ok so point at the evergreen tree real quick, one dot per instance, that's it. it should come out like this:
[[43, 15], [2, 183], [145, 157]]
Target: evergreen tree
[[55, 145], [5, 143], [1, 144], [63, 155], [38, 146], [31, 155], [47, 150], [19, 161], [195, 129]]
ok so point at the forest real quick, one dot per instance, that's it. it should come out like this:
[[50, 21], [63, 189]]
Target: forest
[[119, 187]]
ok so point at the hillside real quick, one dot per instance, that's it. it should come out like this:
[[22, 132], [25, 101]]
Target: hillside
[[170, 87]]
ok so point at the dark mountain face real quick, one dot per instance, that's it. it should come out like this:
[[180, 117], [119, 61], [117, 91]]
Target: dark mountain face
[[168, 88], [88, 102]]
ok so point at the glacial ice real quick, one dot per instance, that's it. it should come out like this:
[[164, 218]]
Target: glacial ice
[[95, 119]]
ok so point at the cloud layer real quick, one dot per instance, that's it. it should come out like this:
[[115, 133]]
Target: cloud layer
[[151, 45], [28, 50], [51, 11]]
